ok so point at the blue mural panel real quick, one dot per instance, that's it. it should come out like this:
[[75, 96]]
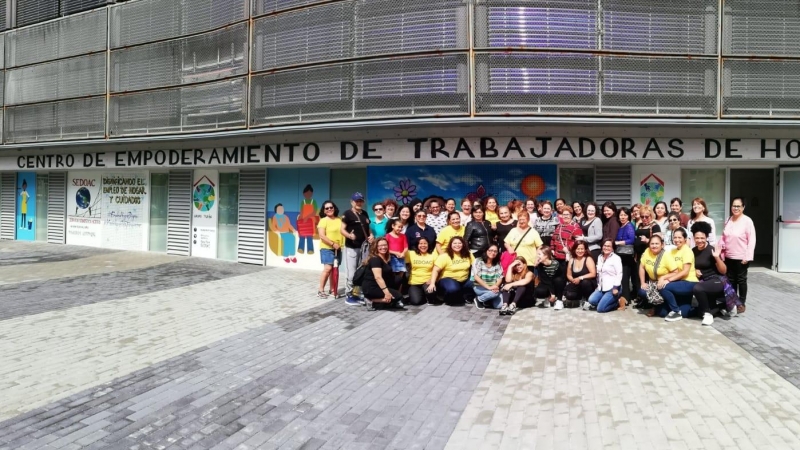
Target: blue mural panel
[[26, 206], [502, 181], [294, 197]]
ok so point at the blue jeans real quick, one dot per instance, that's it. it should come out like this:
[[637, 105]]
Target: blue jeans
[[604, 301], [456, 292], [308, 241], [485, 295], [679, 288]]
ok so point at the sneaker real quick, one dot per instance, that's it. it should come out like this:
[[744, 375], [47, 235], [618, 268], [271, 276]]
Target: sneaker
[[559, 305], [708, 319], [353, 301], [321, 294], [546, 303], [673, 316], [512, 308], [586, 305], [504, 309], [399, 304], [478, 304], [733, 312]]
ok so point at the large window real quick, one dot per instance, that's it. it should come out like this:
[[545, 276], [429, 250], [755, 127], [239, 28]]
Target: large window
[[227, 248], [159, 196], [709, 184], [576, 185]]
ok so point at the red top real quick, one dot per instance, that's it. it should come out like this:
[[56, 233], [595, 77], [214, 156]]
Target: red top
[[397, 244], [563, 239]]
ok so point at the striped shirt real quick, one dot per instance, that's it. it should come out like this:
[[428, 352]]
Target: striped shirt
[[489, 275]]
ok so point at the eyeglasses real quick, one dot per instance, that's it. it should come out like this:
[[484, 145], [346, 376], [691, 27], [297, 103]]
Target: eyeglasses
[[421, 215], [674, 220], [378, 209], [736, 206], [329, 208], [645, 217], [491, 251]]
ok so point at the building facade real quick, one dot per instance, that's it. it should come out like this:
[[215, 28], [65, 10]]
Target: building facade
[[187, 126]]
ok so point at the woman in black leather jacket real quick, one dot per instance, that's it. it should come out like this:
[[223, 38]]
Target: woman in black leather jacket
[[478, 233]]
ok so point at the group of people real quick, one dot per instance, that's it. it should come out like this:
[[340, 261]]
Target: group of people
[[538, 253]]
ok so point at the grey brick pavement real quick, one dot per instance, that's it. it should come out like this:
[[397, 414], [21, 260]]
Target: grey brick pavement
[[333, 377], [14, 252], [34, 297]]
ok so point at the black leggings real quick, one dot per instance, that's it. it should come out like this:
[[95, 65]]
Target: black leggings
[[737, 275], [418, 295], [582, 290], [708, 291], [378, 295], [515, 295], [630, 274]]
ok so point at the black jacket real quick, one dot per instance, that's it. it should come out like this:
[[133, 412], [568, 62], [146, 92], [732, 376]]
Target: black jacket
[[478, 236]]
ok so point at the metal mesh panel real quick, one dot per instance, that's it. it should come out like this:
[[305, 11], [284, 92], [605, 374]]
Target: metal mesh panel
[[179, 215], [252, 221], [34, 11], [613, 184], [381, 88], [3, 15], [56, 208], [68, 119], [391, 26], [270, 6], [659, 86], [761, 88], [66, 78], [762, 27], [309, 35], [536, 83], [152, 20], [74, 6], [213, 106], [676, 26], [206, 57], [8, 202], [70, 36], [536, 23]]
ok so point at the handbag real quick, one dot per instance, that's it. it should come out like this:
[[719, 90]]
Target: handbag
[[508, 257], [625, 249], [731, 297], [653, 296]]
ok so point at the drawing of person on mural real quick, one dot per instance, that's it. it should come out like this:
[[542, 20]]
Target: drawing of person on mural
[[307, 222], [281, 225], [23, 204]]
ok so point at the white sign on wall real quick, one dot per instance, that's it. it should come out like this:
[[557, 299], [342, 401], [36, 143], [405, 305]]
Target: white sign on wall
[[84, 209], [126, 210], [205, 205]]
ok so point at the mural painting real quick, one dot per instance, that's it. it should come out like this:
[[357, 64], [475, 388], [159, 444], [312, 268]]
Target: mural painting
[[651, 190], [26, 206], [293, 200]]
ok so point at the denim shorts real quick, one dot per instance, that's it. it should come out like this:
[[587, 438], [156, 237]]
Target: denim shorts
[[326, 256], [397, 264]]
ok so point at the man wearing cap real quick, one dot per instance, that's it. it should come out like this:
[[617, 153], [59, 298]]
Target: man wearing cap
[[356, 231]]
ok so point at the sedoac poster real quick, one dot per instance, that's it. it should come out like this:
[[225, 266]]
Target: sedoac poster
[[84, 209], [26, 206], [205, 205]]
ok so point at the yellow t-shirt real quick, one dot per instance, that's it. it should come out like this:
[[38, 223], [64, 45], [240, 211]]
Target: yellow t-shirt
[[421, 267], [527, 248], [677, 259], [333, 230], [448, 233], [648, 260], [457, 268], [492, 217]]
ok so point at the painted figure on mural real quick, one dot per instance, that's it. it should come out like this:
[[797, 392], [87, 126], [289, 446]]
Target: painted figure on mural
[[307, 222], [281, 225], [23, 204]]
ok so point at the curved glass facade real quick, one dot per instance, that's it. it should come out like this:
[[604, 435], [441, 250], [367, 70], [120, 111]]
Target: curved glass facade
[[153, 67]]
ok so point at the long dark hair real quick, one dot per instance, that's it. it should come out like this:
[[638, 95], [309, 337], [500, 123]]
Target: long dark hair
[[322, 209], [612, 207], [464, 253]]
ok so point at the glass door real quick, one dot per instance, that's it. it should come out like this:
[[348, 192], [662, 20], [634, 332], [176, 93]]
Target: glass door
[[789, 220]]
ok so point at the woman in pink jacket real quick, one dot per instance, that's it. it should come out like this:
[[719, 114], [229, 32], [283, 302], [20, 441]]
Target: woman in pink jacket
[[609, 280], [738, 246]]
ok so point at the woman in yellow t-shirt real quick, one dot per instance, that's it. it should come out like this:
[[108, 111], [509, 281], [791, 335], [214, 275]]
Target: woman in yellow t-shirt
[[452, 229], [682, 276], [331, 242], [420, 262], [524, 240], [452, 269]]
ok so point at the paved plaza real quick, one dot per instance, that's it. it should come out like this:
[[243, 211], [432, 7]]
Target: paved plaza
[[103, 349]]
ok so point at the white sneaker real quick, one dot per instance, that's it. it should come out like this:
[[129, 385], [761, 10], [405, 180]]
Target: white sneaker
[[559, 305], [586, 305], [733, 313], [708, 319]]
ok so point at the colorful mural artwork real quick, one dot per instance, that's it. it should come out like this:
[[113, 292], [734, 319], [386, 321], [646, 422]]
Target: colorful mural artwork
[[651, 190], [26, 206], [293, 200], [476, 182]]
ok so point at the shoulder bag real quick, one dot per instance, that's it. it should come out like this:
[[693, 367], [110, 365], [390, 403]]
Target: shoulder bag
[[653, 296], [508, 257], [625, 249]]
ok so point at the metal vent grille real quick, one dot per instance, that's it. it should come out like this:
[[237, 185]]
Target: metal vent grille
[[75, 6], [659, 86], [536, 24], [56, 208], [206, 57], [270, 6], [179, 214], [35, 11], [70, 36], [613, 184], [3, 15], [67, 78], [152, 20], [678, 26], [8, 205], [380, 88], [536, 83], [67, 119], [213, 106], [761, 88], [252, 216], [763, 27]]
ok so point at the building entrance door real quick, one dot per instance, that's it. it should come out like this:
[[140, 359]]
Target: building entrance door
[[789, 220]]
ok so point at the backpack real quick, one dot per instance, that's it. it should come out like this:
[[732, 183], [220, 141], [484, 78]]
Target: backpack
[[359, 275]]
